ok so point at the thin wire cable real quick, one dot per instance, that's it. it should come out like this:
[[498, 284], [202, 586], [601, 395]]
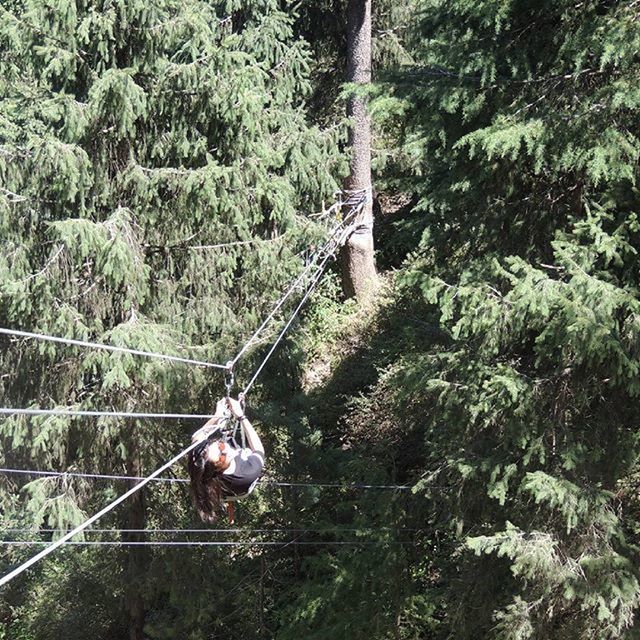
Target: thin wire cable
[[100, 476], [204, 543], [81, 527], [223, 245], [103, 414], [107, 347], [235, 243], [76, 474], [355, 485], [290, 290]]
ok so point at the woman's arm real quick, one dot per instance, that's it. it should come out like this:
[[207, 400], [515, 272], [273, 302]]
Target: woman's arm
[[205, 429], [255, 444]]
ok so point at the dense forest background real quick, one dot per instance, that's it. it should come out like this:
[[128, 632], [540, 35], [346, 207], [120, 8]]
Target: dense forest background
[[496, 372]]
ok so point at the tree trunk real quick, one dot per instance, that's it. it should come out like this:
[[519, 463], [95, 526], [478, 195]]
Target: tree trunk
[[136, 557], [358, 267]]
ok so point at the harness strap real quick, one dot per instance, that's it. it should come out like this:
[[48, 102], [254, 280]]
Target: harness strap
[[239, 425]]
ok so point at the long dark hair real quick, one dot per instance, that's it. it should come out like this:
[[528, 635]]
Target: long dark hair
[[206, 489]]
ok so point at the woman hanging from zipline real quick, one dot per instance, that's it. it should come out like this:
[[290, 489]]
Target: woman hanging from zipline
[[221, 471]]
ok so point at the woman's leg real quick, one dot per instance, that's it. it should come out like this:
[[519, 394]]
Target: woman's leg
[[231, 512]]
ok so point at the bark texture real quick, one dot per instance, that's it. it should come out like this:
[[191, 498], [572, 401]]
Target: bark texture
[[137, 556], [357, 257]]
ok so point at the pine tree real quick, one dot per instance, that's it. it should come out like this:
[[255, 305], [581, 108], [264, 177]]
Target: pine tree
[[519, 141], [129, 133], [358, 264]]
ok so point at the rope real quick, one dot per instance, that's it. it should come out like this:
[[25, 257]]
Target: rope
[[106, 347], [99, 476], [102, 414], [201, 543], [81, 527]]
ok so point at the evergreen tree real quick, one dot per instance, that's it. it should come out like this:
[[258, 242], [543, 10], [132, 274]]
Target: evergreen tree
[[519, 141], [502, 374], [130, 132]]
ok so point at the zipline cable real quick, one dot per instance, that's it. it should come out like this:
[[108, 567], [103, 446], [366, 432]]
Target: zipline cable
[[107, 347], [101, 476], [285, 328], [81, 527], [329, 254], [310, 289], [103, 414], [295, 284]]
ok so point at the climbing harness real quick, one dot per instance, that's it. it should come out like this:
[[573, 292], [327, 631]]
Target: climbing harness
[[198, 455], [222, 432]]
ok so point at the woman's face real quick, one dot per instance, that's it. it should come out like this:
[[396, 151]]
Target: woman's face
[[215, 450]]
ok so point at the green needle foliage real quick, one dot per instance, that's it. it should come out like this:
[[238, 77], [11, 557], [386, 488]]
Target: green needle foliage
[[130, 132], [498, 375], [518, 137]]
